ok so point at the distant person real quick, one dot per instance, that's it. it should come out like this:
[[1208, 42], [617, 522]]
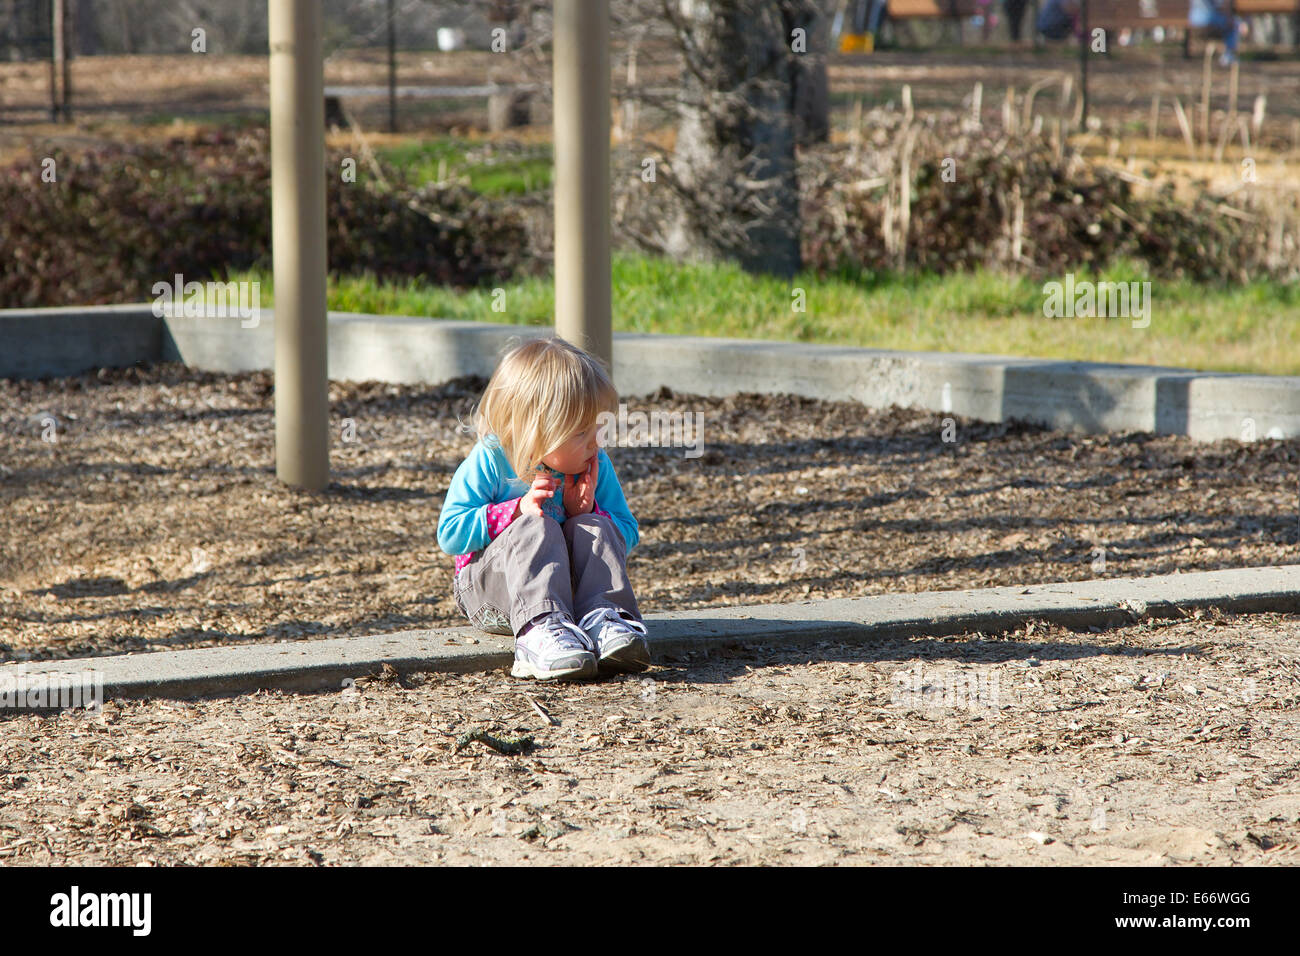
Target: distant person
[[1015, 16], [1058, 19], [863, 23], [1214, 16], [876, 18], [986, 18], [538, 522]]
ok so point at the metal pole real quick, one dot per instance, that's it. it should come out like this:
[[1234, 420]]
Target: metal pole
[[392, 71], [1083, 62], [56, 59], [298, 244], [66, 45], [580, 78]]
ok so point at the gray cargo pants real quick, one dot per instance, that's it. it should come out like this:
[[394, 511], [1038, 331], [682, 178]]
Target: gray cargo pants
[[538, 565]]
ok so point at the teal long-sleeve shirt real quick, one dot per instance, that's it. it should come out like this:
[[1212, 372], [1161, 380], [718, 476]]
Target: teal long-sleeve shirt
[[485, 478]]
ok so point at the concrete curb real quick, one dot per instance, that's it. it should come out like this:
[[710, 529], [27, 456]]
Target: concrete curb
[[38, 343], [1083, 396], [305, 666]]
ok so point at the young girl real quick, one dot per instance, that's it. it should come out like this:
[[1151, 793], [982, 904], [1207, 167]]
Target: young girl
[[546, 559]]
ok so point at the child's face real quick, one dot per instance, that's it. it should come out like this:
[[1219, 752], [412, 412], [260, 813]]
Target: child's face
[[574, 455]]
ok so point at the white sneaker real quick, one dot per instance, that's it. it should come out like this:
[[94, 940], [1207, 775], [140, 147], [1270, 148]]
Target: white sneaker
[[620, 644], [554, 649]]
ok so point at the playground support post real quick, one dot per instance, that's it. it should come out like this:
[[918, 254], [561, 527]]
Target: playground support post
[[1084, 43], [60, 77], [67, 59], [580, 77], [392, 70], [298, 243], [55, 56]]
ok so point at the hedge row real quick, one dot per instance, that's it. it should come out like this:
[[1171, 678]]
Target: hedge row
[[118, 218]]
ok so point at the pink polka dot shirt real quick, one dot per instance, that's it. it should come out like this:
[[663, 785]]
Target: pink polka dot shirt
[[499, 517], [484, 494]]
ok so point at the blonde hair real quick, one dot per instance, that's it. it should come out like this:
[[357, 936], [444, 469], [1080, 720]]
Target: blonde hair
[[542, 393]]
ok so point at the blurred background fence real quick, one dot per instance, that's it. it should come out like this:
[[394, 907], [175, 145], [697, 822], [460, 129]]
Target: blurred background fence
[[135, 58]]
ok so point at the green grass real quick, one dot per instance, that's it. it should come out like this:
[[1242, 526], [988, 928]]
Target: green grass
[[1252, 328], [494, 172]]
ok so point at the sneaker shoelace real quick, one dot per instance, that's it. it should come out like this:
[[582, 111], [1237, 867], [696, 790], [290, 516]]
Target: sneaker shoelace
[[594, 617], [560, 634]]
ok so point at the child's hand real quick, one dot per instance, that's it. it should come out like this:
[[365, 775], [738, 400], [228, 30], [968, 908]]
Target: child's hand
[[580, 494], [531, 503]]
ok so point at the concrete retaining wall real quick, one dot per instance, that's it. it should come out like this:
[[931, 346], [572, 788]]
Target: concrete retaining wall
[[1082, 396], [39, 343]]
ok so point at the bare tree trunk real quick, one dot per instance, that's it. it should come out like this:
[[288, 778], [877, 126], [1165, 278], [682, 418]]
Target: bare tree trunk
[[812, 104], [734, 164], [12, 50]]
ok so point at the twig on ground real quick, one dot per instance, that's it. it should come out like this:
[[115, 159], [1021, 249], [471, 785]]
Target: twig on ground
[[543, 712]]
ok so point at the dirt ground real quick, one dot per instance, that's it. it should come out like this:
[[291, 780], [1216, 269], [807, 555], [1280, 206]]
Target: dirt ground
[[1160, 743], [139, 510]]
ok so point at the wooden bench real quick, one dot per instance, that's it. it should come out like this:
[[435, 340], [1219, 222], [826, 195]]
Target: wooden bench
[[899, 11], [942, 14], [931, 9], [1136, 14], [1251, 8], [508, 105], [1281, 8], [1147, 14]]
